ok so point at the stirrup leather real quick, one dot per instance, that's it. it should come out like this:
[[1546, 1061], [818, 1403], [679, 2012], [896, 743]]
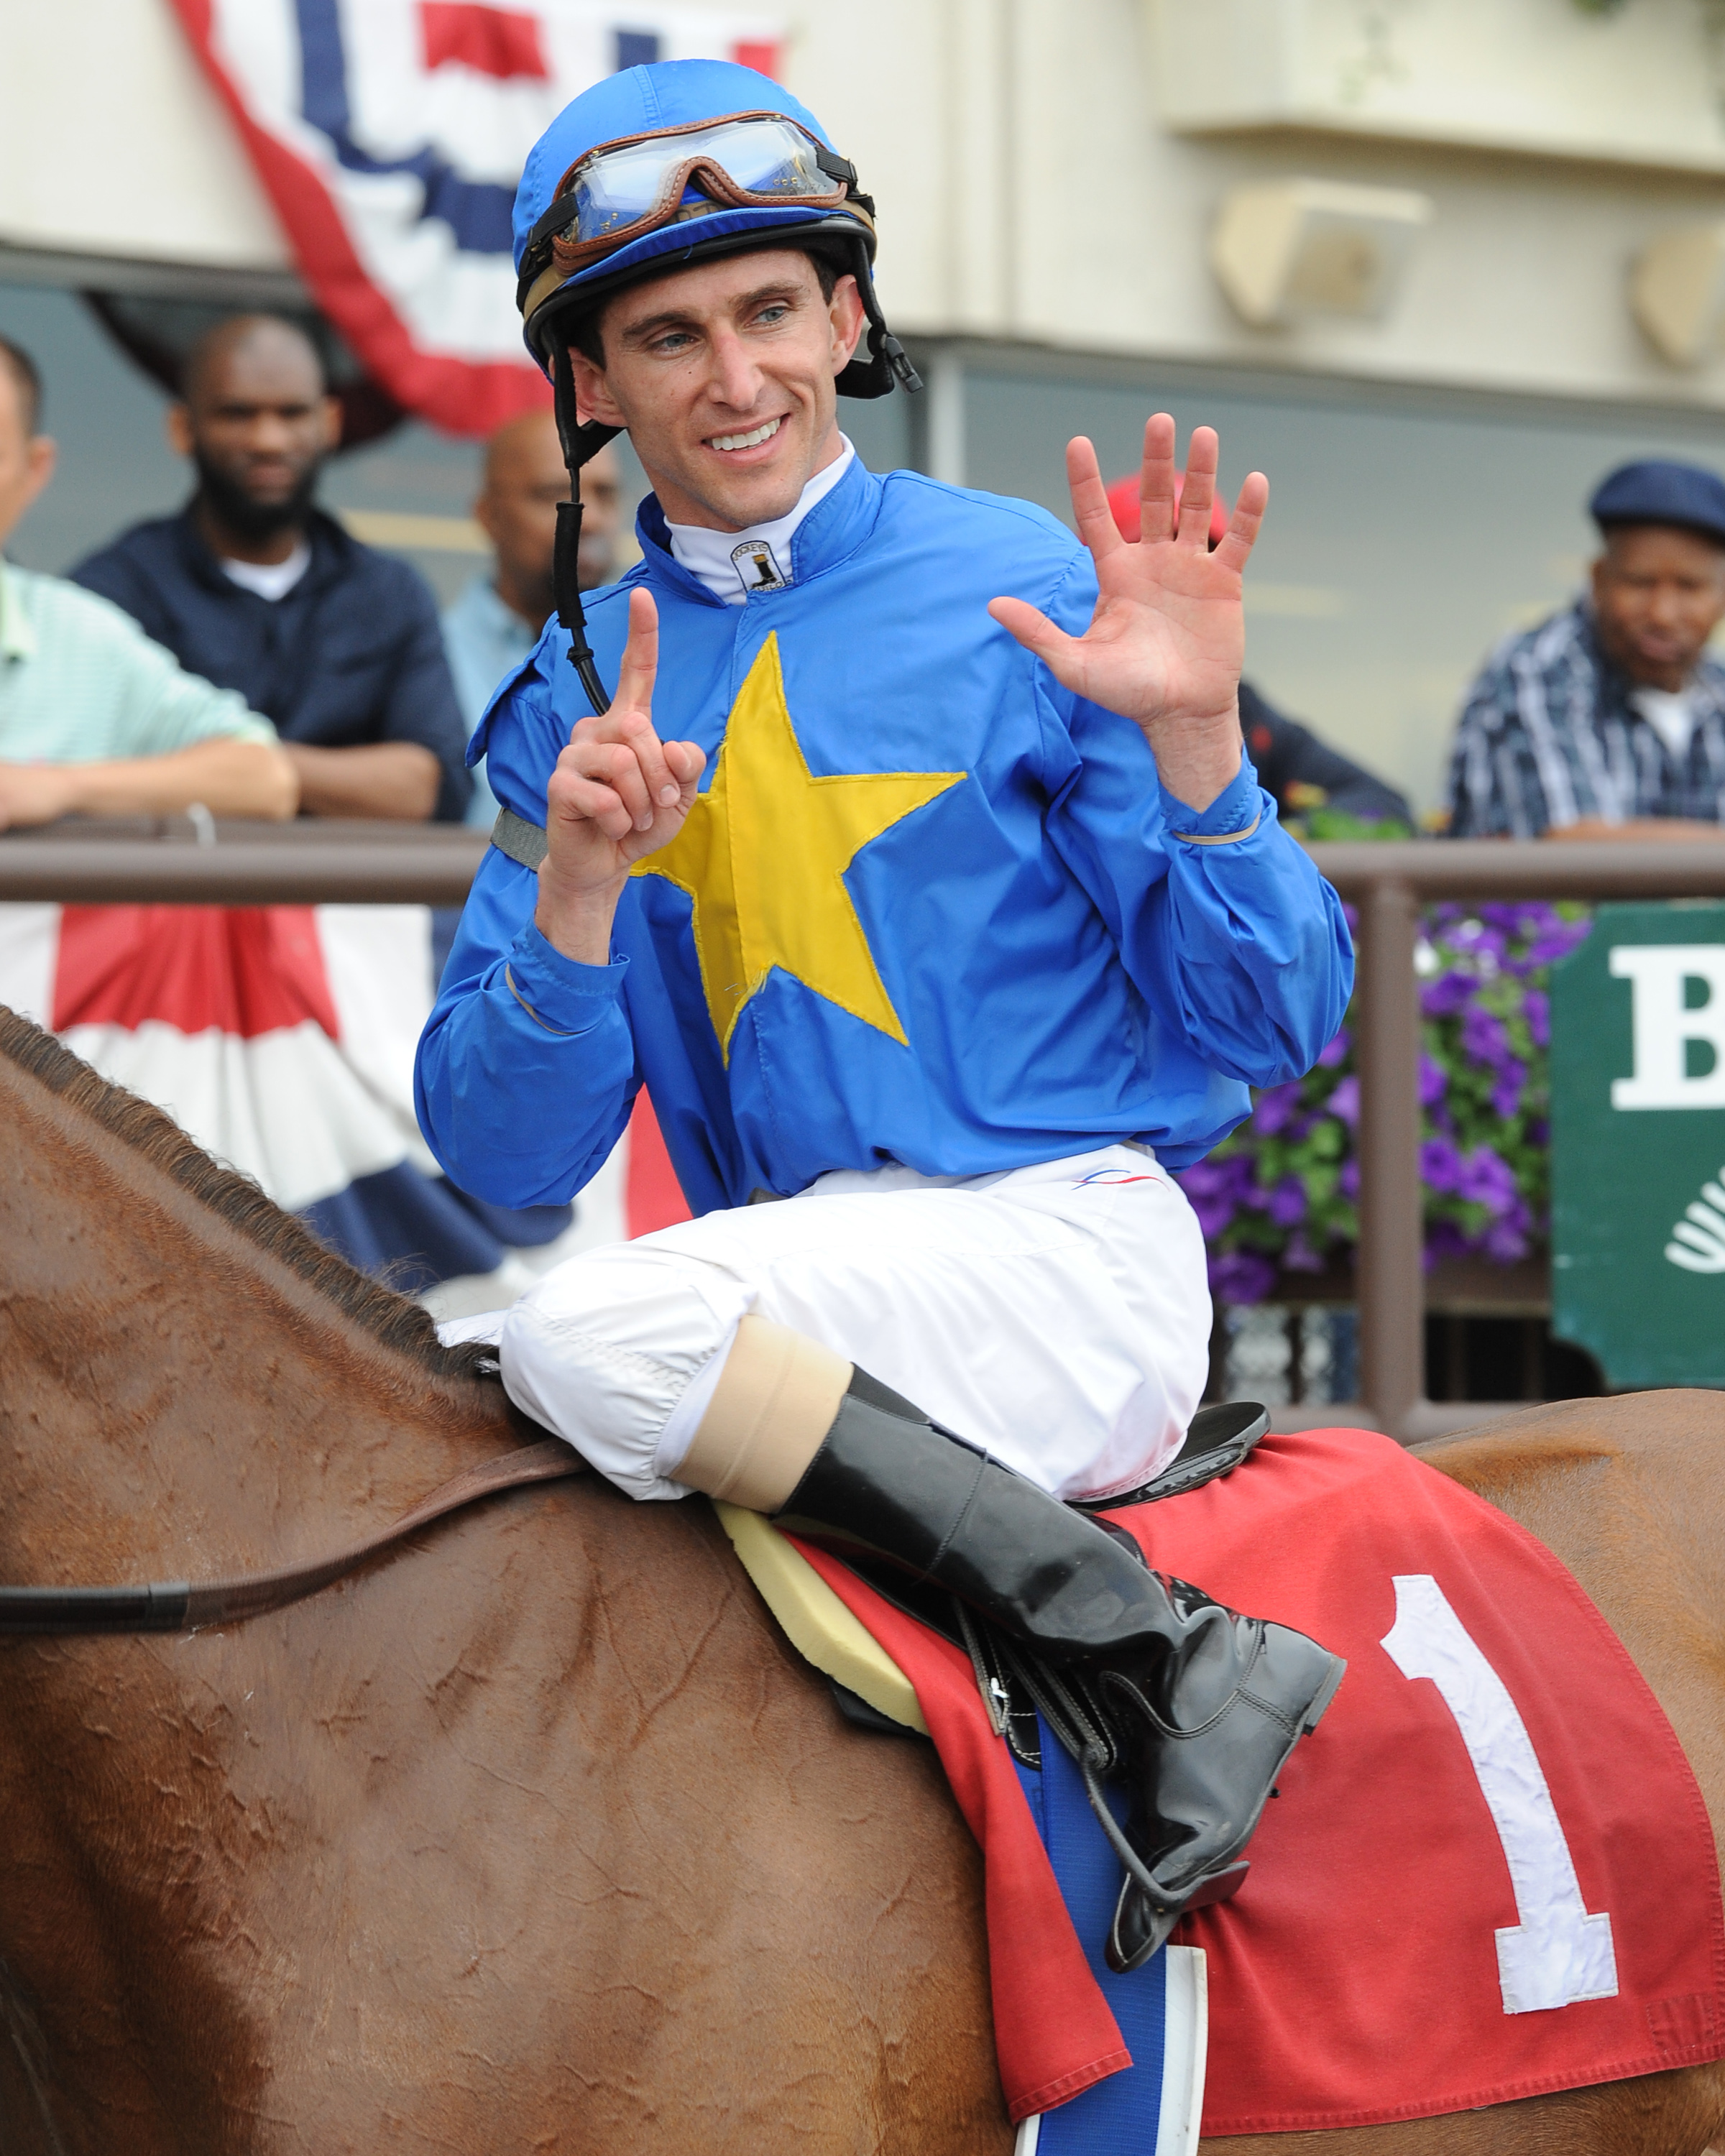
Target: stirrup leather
[[1015, 1688]]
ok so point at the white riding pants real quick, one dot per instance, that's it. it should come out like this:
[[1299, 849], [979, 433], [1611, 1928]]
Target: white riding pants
[[1057, 1315]]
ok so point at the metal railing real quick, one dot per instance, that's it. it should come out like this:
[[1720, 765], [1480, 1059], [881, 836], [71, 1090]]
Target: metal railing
[[182, 860], [197, 862]]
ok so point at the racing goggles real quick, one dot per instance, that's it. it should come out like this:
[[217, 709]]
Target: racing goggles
[[623, 190]]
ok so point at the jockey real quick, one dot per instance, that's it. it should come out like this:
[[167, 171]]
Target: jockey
[[917, 871]]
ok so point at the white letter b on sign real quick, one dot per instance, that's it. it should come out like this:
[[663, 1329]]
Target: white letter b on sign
[[1557, 1953], [1663, 1028]]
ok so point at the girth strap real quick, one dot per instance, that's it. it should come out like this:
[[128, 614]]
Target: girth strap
[[179, 1606], [521, 841]]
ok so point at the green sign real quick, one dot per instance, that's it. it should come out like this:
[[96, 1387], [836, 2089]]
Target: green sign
[[1637, 1144]]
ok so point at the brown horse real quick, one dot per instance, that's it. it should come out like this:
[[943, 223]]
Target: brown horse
[[533, 1834]]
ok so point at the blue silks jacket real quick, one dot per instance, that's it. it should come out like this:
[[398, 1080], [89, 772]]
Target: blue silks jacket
[[1053, 969]]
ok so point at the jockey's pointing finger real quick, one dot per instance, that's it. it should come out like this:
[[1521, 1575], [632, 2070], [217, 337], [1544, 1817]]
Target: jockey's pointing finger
[[639, 663], [633, 704]]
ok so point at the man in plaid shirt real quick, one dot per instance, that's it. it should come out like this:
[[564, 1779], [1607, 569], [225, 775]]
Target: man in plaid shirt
[[1607, 721]]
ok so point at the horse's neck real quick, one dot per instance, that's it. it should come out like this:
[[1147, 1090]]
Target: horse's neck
[[177, 1401], [174, 1398]]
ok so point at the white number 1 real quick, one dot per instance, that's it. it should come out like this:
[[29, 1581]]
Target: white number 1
[[1557, 1953]]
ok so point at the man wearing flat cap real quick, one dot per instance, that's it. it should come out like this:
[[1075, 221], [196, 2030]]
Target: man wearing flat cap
[[1609, 720]]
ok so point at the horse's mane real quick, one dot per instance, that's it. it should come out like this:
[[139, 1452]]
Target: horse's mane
[[392, 1319]]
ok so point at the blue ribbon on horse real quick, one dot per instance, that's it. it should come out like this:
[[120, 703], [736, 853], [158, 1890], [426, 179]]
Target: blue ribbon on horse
[[1152, 2107]]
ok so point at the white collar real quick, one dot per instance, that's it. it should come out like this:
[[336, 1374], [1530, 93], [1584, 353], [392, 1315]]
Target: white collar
[[1671, 712], [269, 580], [732, 564]]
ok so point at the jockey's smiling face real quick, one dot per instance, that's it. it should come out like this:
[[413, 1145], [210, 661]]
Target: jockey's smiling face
[[724, 375]]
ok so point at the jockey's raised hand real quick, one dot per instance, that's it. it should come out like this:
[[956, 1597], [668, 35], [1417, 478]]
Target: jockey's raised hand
[[1168, 639], [618, 794]]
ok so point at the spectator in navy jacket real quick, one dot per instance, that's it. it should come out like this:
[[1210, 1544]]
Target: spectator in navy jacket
[[257, 590]]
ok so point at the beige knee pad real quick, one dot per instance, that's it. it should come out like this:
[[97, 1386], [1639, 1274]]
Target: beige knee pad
[[775, 1401]]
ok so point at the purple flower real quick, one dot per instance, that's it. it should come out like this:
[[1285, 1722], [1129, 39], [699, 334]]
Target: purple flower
[[1558, 942], [1446, 995], [1476, 938], [1347, 1179], [1217, 1189], [1434, 1081], [1507, 1093], [1487, 1179], [1536, 1008], [1287, 1204], [1271, 1109], [1485, 1037], [1240, 1276], [1344, 1102], [1444, 1238], [1300, 1257], [1214, 1199], [1336, 1052], [1210, 1178], [1441, 1165], [1505, 1240]]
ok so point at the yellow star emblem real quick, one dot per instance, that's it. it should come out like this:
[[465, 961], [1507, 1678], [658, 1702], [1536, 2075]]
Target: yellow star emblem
[[763, 852]]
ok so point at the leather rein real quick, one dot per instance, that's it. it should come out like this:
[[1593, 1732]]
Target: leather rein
[[178, 1605], [1219, 1439]]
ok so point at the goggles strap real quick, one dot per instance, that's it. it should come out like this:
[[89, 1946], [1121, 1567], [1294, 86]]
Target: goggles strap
[[579, 444]]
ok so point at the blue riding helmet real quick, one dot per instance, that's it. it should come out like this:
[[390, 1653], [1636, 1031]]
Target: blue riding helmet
[[667, 211], [561, 272]]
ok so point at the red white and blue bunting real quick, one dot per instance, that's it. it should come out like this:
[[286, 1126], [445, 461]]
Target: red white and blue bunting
[[390, 135], [282, 1038]]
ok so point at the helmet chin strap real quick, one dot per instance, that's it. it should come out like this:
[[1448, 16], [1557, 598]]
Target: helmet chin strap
[[888, 361], [580, 444]]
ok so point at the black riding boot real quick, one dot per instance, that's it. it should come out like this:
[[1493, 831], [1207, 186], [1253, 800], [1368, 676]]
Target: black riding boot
[[1205, 1705]]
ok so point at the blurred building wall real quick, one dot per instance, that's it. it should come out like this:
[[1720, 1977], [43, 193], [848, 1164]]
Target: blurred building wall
[[114, 150], [1070, 209], [1050, 174]]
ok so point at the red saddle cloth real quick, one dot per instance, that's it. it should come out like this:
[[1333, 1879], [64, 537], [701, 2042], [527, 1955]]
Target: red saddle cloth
[[1489, 1873]]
